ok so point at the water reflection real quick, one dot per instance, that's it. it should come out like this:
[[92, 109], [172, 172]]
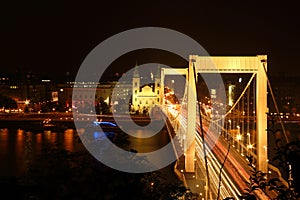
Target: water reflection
[[39, 142], [19, 150], [17, 147], [144, 145], [69, 139], [53, 137], [47, 135], [4, 145]]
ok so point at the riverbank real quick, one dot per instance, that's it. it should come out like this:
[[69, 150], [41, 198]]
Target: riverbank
[[61, 121], [63, 116]]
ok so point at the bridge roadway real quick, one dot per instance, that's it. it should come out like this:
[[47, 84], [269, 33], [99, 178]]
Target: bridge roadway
[[236, 168], [235, 172]]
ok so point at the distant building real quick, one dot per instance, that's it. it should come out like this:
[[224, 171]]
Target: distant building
[[121, 92], [286, 91], [87, 97], [145, 97]]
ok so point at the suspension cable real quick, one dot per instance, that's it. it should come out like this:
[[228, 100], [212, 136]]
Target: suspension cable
[[254, 108], [245, 89], [221, 169], [248, 109], [207, 180], [275, 103]]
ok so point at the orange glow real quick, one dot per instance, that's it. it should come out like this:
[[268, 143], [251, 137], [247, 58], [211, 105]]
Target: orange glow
[[69, 139]]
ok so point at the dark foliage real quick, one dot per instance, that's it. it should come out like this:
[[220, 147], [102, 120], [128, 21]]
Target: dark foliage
[[102, 107], [7, 102], [258, 180]]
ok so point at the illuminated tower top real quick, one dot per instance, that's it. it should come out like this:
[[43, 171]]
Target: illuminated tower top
[[136, 73]]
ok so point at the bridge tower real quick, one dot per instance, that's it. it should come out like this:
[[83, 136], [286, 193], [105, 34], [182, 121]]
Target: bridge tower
[[237, 64]]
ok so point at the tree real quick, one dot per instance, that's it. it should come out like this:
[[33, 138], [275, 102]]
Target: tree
[[102, 107], [7, 102]]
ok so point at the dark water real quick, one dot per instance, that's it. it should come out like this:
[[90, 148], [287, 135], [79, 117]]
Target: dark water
[[19, 146]]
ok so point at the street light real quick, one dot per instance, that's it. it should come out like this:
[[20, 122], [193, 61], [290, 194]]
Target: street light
[[151, 186], [172, 81], [229, 128], [249, 145], [26, 109], [238, 137]]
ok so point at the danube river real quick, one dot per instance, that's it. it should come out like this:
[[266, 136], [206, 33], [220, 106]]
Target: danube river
[[17, 146]]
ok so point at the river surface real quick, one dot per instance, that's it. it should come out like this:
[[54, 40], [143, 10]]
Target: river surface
[[18, 146]]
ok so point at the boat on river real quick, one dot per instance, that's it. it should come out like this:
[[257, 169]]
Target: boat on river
[[47, 124]]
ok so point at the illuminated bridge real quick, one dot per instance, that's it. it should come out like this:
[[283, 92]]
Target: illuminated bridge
[[227, 131]]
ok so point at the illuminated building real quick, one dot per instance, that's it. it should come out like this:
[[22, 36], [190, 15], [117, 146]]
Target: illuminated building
[[147, 96]]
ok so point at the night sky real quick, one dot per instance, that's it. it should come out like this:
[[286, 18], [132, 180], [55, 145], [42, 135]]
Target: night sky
[[54, 37]]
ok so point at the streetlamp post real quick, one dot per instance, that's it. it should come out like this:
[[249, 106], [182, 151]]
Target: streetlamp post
[[249, 145], [233, 133], [228, 138], [225, 132], [26, 108], [238, 138]]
